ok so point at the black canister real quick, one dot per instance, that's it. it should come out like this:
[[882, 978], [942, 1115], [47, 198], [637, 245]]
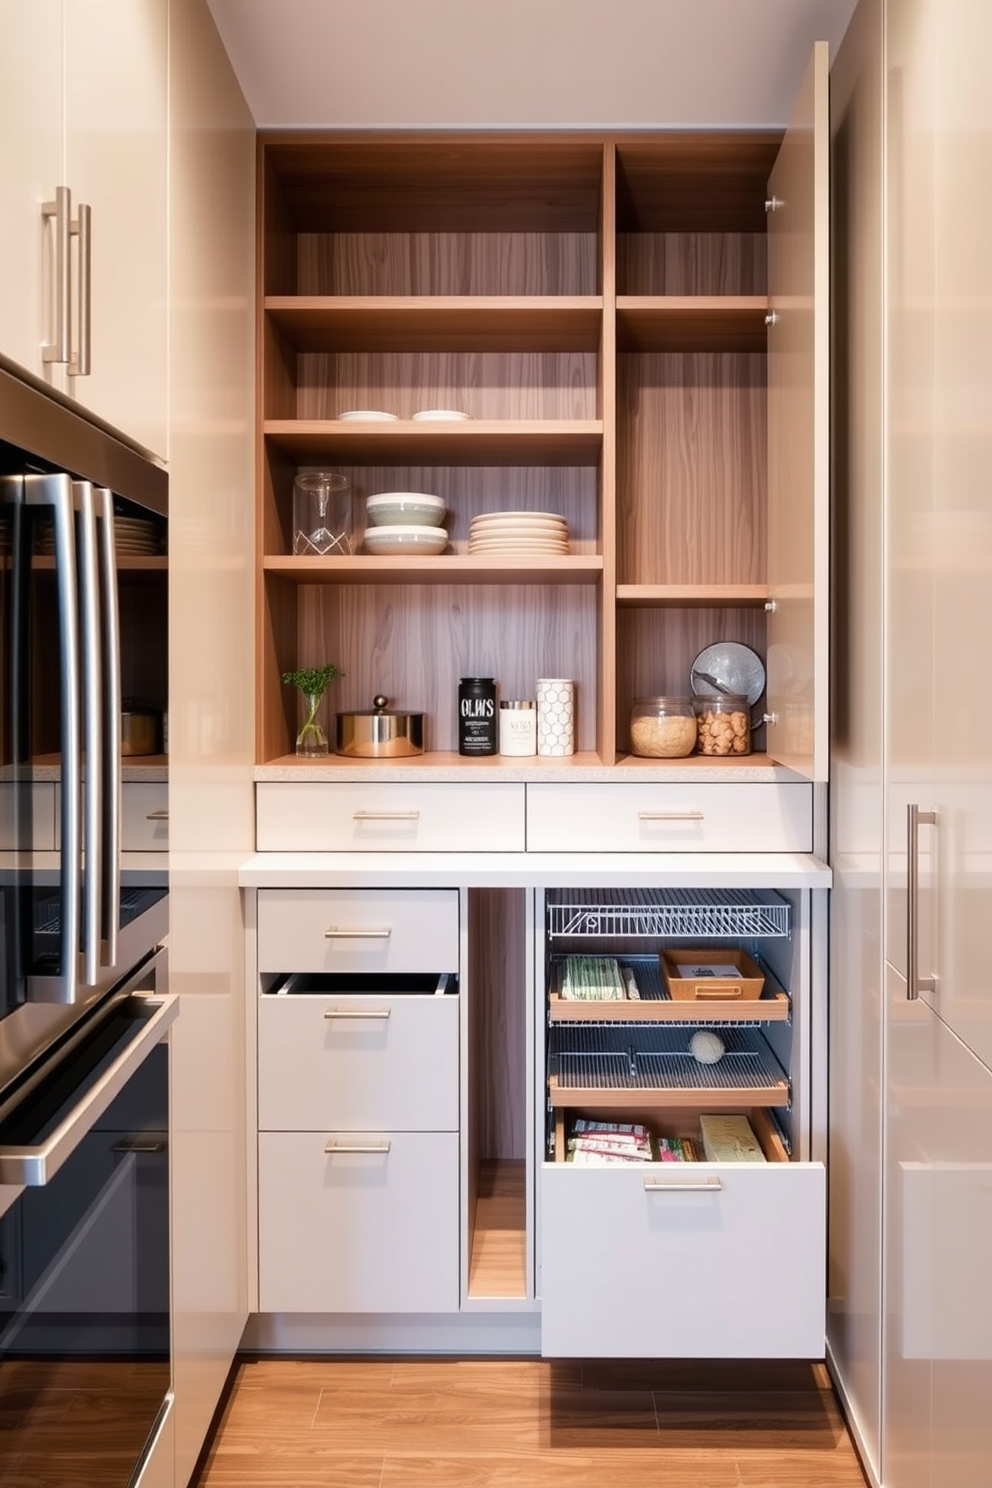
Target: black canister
[[477, 715]]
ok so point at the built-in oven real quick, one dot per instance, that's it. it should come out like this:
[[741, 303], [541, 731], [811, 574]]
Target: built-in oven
[[85, 1348], [85, 1357]]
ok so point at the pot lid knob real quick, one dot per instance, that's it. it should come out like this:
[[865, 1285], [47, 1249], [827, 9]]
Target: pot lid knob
[[379, 702]]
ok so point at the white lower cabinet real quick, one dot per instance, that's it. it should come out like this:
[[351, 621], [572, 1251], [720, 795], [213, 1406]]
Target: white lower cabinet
[[355, 1221], [645, 1263], [358, 1101]]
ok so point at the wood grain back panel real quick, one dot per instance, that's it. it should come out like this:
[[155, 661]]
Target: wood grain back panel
[[692, 466], [448, 263], [414, 642]]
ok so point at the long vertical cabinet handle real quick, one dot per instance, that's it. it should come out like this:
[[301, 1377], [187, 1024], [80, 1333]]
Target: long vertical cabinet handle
[[111, 824], [61, 210], [92, 679], [915, 984], [79, 364], [56, 491]]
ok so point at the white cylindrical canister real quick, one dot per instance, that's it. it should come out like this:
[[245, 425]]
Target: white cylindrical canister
[[517, 728], [555, 716]]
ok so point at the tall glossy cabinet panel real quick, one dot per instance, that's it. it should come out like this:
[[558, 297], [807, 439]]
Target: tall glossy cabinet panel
[[799, 430], [84, 116], [30, 166], [116, 102], [211, 715], [960, 550], [856, 1012]]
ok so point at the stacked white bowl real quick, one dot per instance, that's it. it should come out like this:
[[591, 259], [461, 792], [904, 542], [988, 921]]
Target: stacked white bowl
[[405, 522]]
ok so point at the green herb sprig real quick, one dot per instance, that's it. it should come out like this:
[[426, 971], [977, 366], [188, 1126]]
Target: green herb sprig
[[312, 680]]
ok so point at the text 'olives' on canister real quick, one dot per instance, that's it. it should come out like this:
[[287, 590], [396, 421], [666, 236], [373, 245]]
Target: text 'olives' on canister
[[477, 715]]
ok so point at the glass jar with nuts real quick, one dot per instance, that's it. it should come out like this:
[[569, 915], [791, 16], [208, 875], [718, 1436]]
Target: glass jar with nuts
[[723, 725]]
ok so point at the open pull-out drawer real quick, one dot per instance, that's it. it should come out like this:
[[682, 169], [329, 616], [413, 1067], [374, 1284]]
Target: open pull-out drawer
[[683, 1260]]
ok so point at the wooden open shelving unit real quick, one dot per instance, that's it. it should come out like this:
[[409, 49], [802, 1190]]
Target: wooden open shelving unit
[[597, 304]]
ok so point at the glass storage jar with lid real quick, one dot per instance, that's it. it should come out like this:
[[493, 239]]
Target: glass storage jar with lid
[[662, 727], [724, 725]]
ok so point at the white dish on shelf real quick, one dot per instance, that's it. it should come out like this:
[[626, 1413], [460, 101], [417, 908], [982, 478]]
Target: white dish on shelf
[[519, 516], [405, 509], [367, 416], [404, 539], [439, 415], [518, 529]]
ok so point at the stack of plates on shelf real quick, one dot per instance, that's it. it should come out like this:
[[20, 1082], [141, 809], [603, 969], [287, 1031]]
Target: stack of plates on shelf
[[510, 532], [134, 537]]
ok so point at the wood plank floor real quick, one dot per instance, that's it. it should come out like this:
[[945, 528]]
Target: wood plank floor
[[528, 1423]]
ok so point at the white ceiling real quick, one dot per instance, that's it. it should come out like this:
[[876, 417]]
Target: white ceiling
[[520, 63]]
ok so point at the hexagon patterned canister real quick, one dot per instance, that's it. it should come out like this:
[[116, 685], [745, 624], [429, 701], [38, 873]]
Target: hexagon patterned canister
[[555, 716]]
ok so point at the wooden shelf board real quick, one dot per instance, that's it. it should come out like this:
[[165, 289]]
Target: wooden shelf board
[[716, 1099], [692, 323], [773, 1009], [498, 1266], [551, 442], [697, 762], [125, 563], [442, 760], [438, 323], [443, 569], [691, 596]]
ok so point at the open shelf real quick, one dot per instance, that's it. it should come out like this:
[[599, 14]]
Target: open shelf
[[692, 323], [456, 323], [442, 569], [498, 1264], [550, 442]]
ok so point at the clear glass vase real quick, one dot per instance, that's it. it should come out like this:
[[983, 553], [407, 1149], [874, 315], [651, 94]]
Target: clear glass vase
[[311, 741]]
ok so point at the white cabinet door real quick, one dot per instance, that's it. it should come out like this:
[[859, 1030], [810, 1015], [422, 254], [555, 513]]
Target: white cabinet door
[[116, 90], [799, 432], [30, 169]]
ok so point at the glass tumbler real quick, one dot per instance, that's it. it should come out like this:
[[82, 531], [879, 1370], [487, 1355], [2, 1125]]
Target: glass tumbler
[[322, 514]]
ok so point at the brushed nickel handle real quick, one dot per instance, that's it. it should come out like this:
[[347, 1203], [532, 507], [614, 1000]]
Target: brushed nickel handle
[[361, 1013], [915, 984], [161, 815], [670, 816], [386, 816], [34, 1166], [345, 932], [92, 680], [79, 365], [61, 210], [331, 1148], [704, 1185], [111, 806]]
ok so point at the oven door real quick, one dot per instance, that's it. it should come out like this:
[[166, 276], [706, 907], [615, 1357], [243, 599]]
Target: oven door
[[85, 1345]]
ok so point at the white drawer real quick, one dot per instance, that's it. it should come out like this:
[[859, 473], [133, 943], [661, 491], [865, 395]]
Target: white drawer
[[632, 1270], [388, 816], [358, 1062], [670, 818], [373, 1230], [38, 801], [145, 816], [357, 930]]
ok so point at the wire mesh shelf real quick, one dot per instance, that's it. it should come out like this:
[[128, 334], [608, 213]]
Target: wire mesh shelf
[[612, 1066], [688, 913]]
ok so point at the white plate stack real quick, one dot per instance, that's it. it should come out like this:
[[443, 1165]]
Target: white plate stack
[[519, 532]]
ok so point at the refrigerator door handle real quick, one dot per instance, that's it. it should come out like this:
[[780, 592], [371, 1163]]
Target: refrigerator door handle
[[56, 491], [92, 680], [111, 822]]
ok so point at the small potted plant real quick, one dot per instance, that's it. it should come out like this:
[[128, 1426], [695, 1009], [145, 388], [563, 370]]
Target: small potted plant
[[311, 741]]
